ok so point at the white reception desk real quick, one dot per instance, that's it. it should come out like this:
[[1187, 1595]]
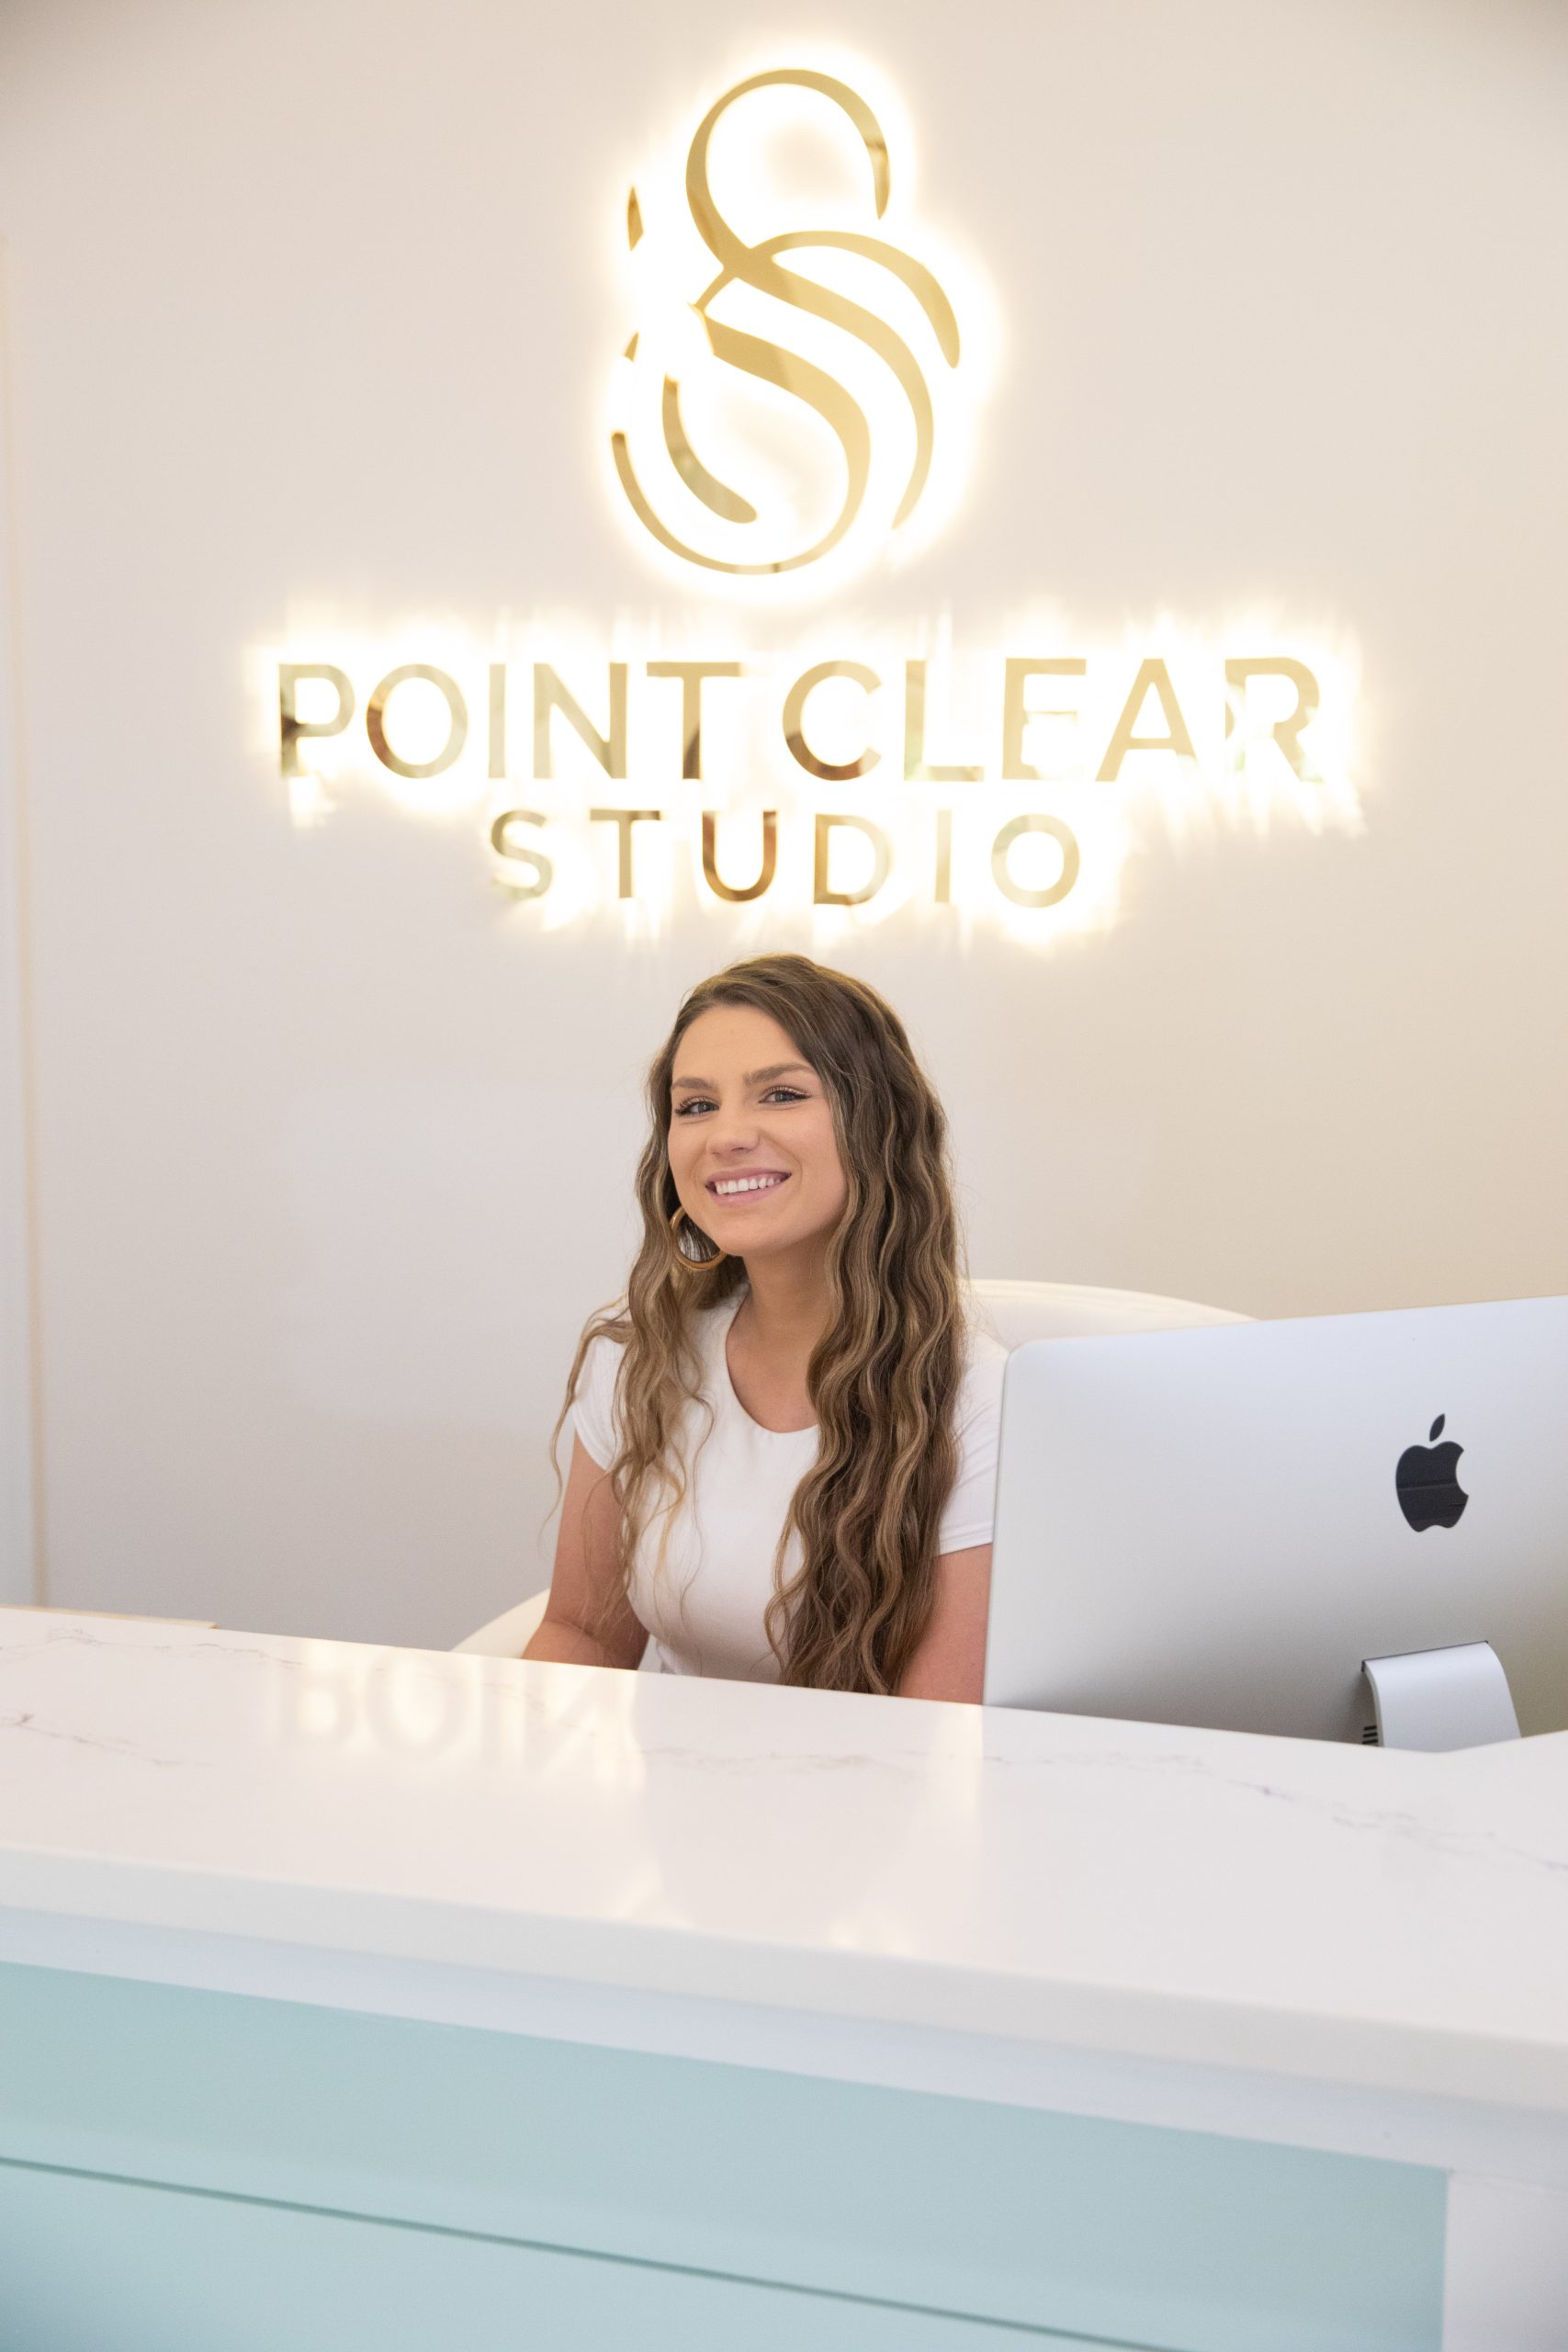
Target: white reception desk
[[399, 1998]]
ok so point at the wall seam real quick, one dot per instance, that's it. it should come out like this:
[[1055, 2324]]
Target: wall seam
[[21, 1337]]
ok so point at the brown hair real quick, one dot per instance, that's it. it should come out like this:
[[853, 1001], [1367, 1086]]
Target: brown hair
[[884, 1380]]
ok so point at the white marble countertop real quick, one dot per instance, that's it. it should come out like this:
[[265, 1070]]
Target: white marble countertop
[[1050, 1908]]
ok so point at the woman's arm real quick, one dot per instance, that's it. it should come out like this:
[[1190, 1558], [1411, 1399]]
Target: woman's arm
[[950, 1660], [588, 1620]]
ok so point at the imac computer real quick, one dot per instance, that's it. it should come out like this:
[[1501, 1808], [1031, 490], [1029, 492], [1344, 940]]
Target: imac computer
[[1354, 1527]]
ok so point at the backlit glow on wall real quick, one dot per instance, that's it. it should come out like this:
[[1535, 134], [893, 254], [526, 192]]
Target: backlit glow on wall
[[851, 781]]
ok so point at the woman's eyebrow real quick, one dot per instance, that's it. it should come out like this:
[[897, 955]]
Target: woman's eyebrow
[[752, 1077]]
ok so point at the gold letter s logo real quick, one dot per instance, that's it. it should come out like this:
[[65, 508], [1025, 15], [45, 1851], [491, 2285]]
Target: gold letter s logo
[[759, 267]]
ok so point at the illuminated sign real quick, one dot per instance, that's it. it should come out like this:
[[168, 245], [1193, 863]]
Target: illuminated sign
[[875, 422], [1005, 786], [796, 401]]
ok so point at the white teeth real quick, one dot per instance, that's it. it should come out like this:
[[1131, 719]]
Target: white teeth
[[746, 1184]]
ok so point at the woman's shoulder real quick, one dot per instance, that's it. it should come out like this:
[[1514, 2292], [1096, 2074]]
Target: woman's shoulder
[[596, 1403], [980, 1384], [705, 1333], [705, 1329], [601, 1356], [967, 1516], [594, 1414]]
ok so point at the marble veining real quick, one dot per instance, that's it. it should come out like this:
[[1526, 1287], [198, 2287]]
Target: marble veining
[[29, 1722]]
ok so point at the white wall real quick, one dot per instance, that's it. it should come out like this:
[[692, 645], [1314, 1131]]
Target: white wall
[[331, 1143]]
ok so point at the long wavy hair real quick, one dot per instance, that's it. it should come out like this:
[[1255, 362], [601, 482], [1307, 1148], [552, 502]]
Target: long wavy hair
[[884, 1377]]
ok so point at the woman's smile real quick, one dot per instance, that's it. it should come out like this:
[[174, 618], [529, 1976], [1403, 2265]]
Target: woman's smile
[[746, 1184]]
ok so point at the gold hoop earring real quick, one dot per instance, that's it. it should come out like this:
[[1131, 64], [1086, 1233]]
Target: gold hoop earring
[[688, 1264]]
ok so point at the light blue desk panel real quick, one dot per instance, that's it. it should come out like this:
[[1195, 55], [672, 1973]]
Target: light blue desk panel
[[94, 2265], [191, 2172]]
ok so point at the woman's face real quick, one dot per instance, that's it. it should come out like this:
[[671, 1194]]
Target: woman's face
[[751, 1142]]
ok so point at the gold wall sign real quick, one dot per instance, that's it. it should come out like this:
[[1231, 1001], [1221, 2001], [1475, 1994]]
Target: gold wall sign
[[954, 788], [869, 356], [799, 398]]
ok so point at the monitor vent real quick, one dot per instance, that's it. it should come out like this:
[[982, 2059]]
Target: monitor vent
[[1370, 1736]]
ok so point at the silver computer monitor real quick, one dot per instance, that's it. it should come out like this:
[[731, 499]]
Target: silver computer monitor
[[1218, 1526]]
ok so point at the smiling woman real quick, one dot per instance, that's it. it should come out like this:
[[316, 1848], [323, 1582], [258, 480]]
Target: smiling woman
[[784, 1437]]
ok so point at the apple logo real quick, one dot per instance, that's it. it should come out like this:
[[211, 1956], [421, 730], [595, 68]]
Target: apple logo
[[1426, 1482]]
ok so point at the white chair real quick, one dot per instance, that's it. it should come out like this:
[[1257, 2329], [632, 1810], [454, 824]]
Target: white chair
[[509, 1634], [1013, 1312]]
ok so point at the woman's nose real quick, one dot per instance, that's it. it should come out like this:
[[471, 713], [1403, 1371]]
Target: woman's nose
[[734, 1130]]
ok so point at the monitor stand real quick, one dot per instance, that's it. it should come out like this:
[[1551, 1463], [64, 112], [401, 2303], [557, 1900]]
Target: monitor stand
[[1439, 1699]]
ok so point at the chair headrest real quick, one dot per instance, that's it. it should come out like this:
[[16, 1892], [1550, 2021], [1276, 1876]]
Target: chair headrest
[[1016, 1311]]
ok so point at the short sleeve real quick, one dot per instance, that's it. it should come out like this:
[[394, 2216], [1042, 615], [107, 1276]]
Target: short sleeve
[[593, 1414], [971, 1506]]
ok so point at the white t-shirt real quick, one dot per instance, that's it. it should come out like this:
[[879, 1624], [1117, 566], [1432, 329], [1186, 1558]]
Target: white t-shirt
[[703, 1601]]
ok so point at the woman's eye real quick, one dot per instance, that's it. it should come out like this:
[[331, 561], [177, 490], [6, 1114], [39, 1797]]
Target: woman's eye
[[694, 1102]]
